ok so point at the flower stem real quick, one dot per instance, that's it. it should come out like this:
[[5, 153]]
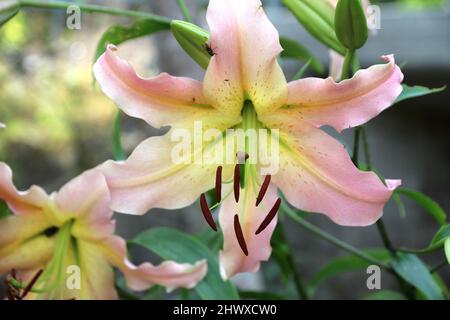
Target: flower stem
[[347, 67], [92, 9], [299, 286], [333, 240], [184, 10], [356, 139]]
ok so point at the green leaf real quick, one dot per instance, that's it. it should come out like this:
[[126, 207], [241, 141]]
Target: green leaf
[[350, 24], [117, 148], [315, 23], [8, 9], [344, 264], [437, 242], [118, 34], [413, 270], [428, 204], [399, 203], [299, 74], [447, 249], [416, 91], [4, 210], [385, 295], [294, 50], [172, 244]]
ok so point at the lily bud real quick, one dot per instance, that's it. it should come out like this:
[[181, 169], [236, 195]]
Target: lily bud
[[194, 40], [8, 9], [351, 24], [316, 19]]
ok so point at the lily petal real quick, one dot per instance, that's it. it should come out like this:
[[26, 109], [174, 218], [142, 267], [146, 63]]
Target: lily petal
[[160, 101], [151, 179], [346, 104], [29, 255], [317, 175], [97, 275], [86, 199], [244, 65], [232, 258], [169, 274], [20, 202]]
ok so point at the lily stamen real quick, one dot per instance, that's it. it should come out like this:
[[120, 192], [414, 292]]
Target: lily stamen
[[272, 213], [239, 235], [206, 212], [237, 179], [263, 190], [219, 184]]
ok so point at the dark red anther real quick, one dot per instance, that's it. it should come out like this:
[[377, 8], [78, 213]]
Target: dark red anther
[[263, 190], [206, 212], [31, 283], [219, 184], [240, 235], [237, 178], [272, 213]]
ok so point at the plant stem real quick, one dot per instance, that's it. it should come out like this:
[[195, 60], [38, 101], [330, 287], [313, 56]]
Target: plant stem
[[439, 266], [92, 9], [356, 139], [347, 67], [366, 148], [184, 10], [333, 240], [301, 290]]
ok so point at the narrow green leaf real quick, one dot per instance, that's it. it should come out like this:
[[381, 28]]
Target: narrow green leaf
[[4, 210], [428, 204], [447, 249], [299, 74], [118, 34], [437, 242], [8, 9], [399, 203], [413, 270], [117, 148], [410, 92], [172, 244], [294, 50], [385, 295], [344, 264]]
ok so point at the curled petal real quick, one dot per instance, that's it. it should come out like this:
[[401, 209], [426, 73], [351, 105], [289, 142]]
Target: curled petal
[[87, 199], [20, 202], [336, 63], [232, 258], [169, 274], [244, 65], [317, 175], [346, 104], [160, 101]]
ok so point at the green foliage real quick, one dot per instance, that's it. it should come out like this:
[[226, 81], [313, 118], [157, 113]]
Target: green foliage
[[428, 204], [174, 245], [117, 148], [413, 270], [8, 9], [410, 92], [385, 295], [344, 264], [294, 50], [118, 34]]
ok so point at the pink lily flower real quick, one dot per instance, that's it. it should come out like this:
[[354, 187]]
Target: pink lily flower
[[244, 87], [72, 228]]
